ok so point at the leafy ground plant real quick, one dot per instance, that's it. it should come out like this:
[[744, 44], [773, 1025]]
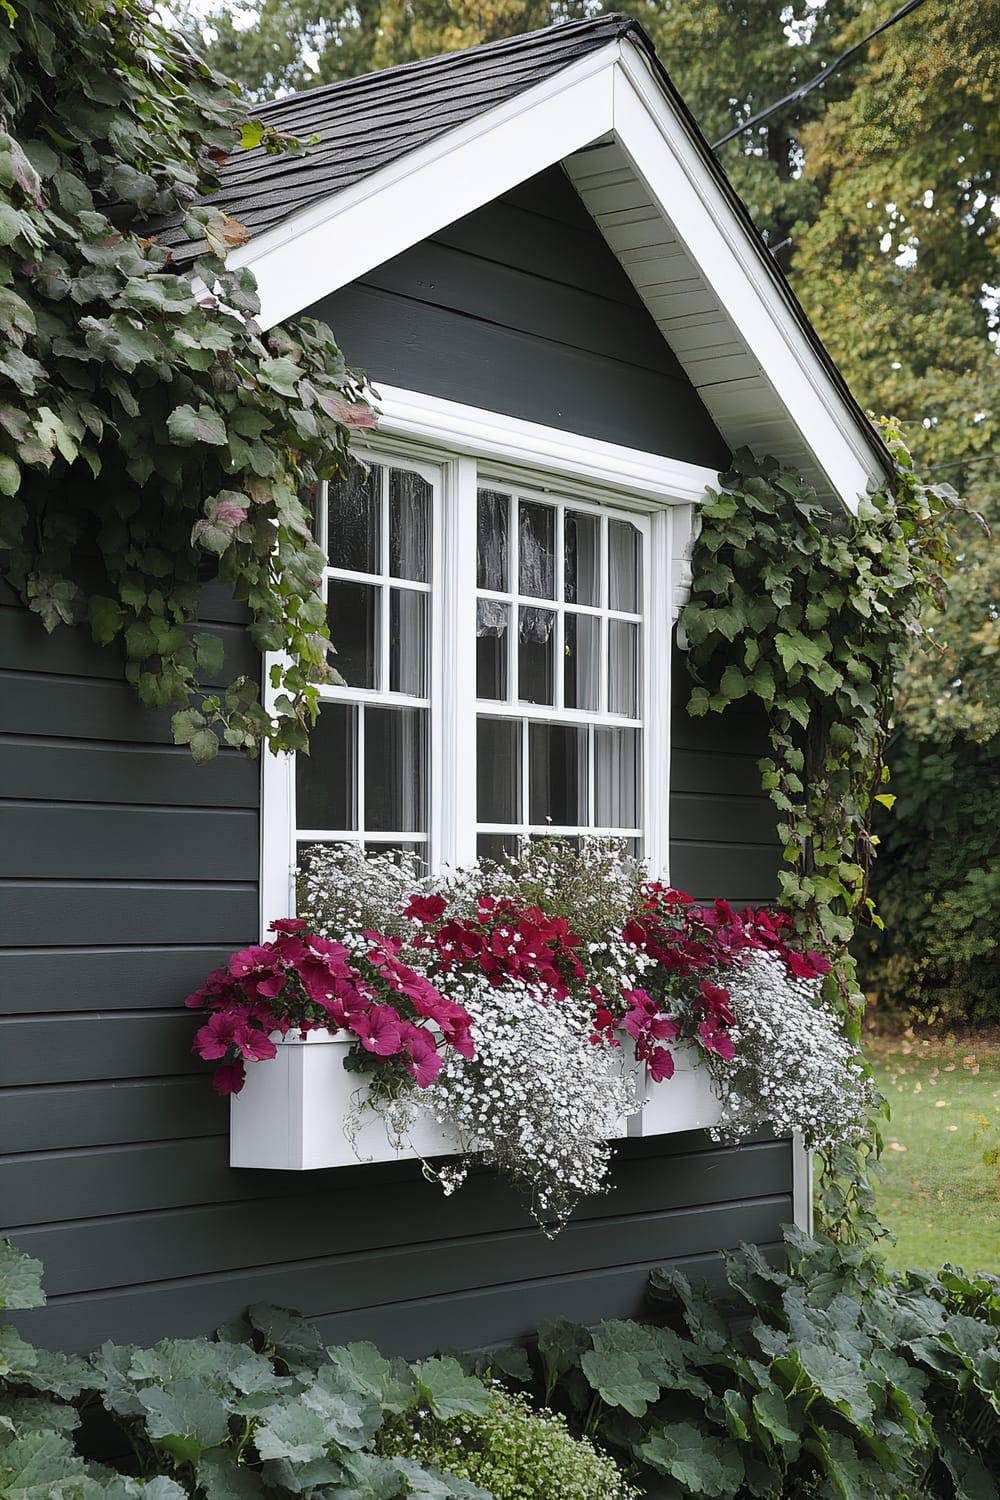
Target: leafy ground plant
[[265, 1412], [847, 1381], [514, 1452]]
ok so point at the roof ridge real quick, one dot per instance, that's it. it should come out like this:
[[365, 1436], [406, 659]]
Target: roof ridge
[[617, 24]]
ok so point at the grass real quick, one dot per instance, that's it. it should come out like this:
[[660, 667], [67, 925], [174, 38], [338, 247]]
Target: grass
[[938, 1196]]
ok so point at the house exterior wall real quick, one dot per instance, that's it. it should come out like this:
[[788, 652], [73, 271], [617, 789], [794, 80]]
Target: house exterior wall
[[521, 308], [127, 873]]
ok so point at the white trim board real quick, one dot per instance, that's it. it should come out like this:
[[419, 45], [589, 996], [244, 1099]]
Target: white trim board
[[771, 390], [455, 428]]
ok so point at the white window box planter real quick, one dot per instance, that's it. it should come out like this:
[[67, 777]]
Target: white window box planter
[[302, 1110], [687, 1101]]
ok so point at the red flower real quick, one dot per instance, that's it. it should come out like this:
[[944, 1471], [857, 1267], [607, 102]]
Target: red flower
[[425, 908], [289, 924]]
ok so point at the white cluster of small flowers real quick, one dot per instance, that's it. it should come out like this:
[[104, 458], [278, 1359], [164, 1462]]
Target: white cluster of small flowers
[[793, 1067], [540, 1101], [345, 892]]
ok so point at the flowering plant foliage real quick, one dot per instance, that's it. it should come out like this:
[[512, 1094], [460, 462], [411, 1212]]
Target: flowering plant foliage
[[303, 981], [549, 981], [688, 952]]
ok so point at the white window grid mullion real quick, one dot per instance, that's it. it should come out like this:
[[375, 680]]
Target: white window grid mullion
[[604, 595], [525, 749], [372, 696], [496, 709], [358, 836], [455, 709], [350, 576], [562, 829], [384, 592], [514, 583], [359, 773], [559, 665], [591, 776]]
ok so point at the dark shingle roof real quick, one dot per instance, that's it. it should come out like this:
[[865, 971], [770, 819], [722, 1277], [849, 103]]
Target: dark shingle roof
[[366, 123]]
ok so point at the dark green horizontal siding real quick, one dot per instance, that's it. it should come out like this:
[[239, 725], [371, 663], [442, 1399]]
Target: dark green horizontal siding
[[60, 1116], [369, 1256], [522, 308], [96, 771], [723, 839], [104, 842], [40, 912], [41, 1049], [105, 979]]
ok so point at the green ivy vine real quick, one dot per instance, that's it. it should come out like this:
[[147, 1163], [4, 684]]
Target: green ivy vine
[[151, 436], [811, 612]]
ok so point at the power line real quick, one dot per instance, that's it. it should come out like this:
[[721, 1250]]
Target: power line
[[960, 463], [807, 88]]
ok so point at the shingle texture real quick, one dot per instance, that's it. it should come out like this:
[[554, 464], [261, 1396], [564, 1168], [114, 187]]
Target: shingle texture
[[366, 123]]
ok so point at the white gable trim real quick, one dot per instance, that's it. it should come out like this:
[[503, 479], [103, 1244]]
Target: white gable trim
[[611, 92], [334, 242], [666, 159], [454, 428]]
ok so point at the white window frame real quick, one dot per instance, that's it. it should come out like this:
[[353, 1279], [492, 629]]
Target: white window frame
[[467, 447]]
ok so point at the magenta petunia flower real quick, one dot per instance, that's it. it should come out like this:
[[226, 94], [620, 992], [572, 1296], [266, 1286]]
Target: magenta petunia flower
[[660, 1065], [255, 1045], [378, 1030], [229, 1078], [214, 1039]]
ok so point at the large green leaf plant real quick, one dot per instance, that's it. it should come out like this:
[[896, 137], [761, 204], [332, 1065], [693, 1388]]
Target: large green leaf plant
[[151, 436]]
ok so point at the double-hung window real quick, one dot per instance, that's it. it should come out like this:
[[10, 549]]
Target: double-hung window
[[501, 666]]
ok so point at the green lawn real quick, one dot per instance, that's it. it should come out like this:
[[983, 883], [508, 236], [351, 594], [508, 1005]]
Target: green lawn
[[938, 1197]]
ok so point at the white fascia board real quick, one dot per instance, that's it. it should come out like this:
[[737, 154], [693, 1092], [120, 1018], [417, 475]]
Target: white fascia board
[[454, 428], [666, 159], [333, 242]]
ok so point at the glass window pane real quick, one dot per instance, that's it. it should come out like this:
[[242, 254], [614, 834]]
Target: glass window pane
[[326, 779], [582, 662], [582, 554], [492, 623], [492, 538], [623, 668], [394, 769], [353, 613], [493, 846], [623, 566], [536, 655], [557, 775], [616, 778], [355, 519], [409, 525], [396, 849], [537, 550], [408, 642], [498, 771]]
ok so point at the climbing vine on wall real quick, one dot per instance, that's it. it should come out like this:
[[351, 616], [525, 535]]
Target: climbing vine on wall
[[812, 612], [151, 436]]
